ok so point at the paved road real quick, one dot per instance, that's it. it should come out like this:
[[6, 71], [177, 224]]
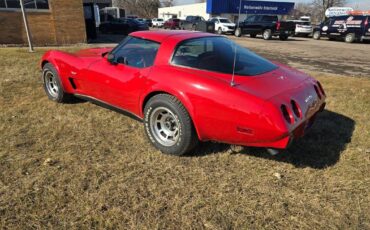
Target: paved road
[[323, 55]]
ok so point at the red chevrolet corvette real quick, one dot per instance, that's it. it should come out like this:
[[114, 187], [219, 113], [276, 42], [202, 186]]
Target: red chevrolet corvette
[[188, 87]]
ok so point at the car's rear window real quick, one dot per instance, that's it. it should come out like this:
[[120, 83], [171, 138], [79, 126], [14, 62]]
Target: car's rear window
[[217, 54], [304, 23]]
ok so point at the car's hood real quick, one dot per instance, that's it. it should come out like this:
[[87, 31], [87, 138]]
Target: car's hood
[[227, 24], [92, 52]]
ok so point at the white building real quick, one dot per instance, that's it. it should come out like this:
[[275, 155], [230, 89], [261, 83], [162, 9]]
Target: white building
[[182, 11]]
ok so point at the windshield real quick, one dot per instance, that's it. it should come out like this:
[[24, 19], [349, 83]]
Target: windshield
[[217, 54], [224, 20], [160, 20]]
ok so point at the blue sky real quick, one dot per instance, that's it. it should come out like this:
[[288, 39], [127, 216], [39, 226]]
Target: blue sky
[[360, 4]]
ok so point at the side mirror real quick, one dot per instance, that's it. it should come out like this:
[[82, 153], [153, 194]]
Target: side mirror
[[111, 59]]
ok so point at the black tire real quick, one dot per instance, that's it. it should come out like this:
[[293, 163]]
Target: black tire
[[316, 35], [267, 34], [350, 38], [55, 92], [219, 31], [253, 35], [238, 32], [187, 138], [283, 37]]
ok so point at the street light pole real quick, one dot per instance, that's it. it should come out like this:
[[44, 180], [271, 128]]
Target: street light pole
[[26, 26]]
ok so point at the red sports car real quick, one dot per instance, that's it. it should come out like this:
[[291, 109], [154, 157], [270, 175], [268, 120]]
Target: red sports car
[[188, 87]]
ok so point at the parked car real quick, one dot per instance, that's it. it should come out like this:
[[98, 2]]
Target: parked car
[[191, 22], [223, 25], [122, 26], [172, 23], [149, 22], [267, 25], [142, 20], [158, 22], [302, 28], [189, 87], [351, 28], [197, 23]]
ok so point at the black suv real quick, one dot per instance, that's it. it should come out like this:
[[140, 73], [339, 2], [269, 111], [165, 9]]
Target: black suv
[[267, 25], [351, 28]]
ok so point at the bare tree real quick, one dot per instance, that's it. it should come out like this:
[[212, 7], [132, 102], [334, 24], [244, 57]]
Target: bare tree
[[302, 9], [322, 5], [167, 3], [142, 8]]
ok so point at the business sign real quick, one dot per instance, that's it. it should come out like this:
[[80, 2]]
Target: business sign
[[337, 11], [260, 7], [248, 7]]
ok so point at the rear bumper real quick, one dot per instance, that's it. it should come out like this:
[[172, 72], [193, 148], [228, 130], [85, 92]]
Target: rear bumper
[[285, 140], [284, 32]]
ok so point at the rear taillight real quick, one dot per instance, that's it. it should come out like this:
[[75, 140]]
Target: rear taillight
[[296, 109], [317, 91], [278, 26], [287, 114], [366, 21], [321, 88]]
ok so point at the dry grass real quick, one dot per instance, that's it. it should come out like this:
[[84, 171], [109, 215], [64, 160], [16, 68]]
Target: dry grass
[[82, 166]]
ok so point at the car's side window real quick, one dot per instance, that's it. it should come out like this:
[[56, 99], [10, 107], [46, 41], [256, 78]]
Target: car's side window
[[250, 19], [136, 52]]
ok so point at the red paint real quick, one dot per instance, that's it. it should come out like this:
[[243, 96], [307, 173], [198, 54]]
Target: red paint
[[247, 114]]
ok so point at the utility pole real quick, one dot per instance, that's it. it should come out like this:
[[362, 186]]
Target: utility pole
[[26, 26]]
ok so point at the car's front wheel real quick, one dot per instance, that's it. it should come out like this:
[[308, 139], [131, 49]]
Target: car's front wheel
[[53, 85], [168, 125], [219, 31]]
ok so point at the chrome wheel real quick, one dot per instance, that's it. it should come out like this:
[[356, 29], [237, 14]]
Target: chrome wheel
[[165, 126], [51, 83]]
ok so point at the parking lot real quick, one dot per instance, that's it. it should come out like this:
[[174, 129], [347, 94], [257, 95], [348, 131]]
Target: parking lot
[[336, 57]]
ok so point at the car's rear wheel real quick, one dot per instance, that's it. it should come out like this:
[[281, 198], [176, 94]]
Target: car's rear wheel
[[316, 35], [53, 85], [267, 34], [168, 125], [350, 38], [238, 32]]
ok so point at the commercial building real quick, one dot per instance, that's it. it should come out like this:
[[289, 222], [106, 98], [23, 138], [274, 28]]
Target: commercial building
[[226, 8], [51, 22]]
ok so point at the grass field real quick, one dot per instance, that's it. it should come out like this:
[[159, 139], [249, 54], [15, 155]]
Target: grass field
[[79, 165]]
